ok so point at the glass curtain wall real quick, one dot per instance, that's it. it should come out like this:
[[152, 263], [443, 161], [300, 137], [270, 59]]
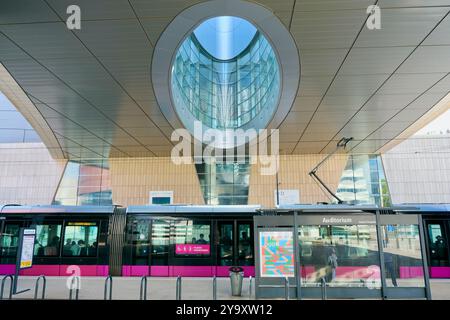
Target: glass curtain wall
[[85, 182], [225, 94], [224, 183], [363, 181]]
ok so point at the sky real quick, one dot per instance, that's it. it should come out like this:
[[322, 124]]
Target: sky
[[225, 37], [438, 125]]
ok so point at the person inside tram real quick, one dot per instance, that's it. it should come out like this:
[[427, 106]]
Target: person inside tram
[[83, 249], [53, 247], [38, 248], [202, 239], [67, 247], [75, 249], [194, 240], [441, 250], [244, 246], [92, 249]]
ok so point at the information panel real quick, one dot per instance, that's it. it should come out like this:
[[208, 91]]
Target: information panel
[[276, 254], [26, 254], [192, 249]]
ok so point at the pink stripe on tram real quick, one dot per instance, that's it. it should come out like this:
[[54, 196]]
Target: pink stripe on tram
[[37, 270], [159, 271], [440, 272], [7, 269], [192, 271]]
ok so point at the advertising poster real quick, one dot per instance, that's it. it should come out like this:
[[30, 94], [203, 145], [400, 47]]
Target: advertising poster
[[26, 255], [276, 254]]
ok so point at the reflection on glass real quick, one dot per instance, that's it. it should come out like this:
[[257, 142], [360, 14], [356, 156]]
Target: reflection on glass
[[9, 240], [224, 184], [225, 94], [402, 256], [85, 182], [80, 239], [342, 255], [48, 240], [245, 245], [160, 241], [226, 244]]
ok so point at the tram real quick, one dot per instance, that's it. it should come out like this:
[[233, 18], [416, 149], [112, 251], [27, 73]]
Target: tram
[[173, 240]]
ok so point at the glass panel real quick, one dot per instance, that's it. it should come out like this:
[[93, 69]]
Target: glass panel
[[140, 238], [343, 255], [402, 256], [48, 240], [363, 181], [80, 239], [160, 242], [85, 182], [245, 244], [226, 244], [9, 240], [438, 245]]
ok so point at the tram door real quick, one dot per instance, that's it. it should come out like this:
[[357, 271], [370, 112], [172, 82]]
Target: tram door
[[235, 243], [438, 243]]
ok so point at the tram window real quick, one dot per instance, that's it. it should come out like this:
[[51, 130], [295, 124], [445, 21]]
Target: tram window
[[226, 243], [140, 238], [48, 240], [80, 239], [245, 244], [160, 238], [437, 245], [402, 256], [9, 240], [192, 232]]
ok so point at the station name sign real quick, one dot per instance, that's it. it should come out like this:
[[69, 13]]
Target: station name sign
[[337, 219]]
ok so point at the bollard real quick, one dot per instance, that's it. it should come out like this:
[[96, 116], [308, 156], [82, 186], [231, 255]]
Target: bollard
[[77, 278], [110, 281], [10, 286], [250, 287], [36, 287], [214, 288], [143, 290], [286, 288], [324, 288], [178, 292]]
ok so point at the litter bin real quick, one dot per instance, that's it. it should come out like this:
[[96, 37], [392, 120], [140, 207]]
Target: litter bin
[[236, 277]]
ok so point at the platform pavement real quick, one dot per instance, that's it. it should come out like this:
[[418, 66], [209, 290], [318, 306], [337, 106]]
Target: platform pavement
[[127, 288]]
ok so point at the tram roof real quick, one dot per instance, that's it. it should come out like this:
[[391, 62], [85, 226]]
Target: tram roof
[[193, 209], [55, 209]]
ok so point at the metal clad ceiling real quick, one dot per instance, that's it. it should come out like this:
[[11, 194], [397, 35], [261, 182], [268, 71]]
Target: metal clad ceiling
[[93, 86]]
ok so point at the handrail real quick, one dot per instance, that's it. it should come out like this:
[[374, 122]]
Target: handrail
[[324, 288], [178, 288], [214, 288], [77, 289], [143, 289], [286, 288], [36, 286], [110, 281], [10, 286]]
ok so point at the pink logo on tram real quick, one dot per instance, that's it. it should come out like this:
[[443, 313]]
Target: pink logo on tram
[[192, 249]]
